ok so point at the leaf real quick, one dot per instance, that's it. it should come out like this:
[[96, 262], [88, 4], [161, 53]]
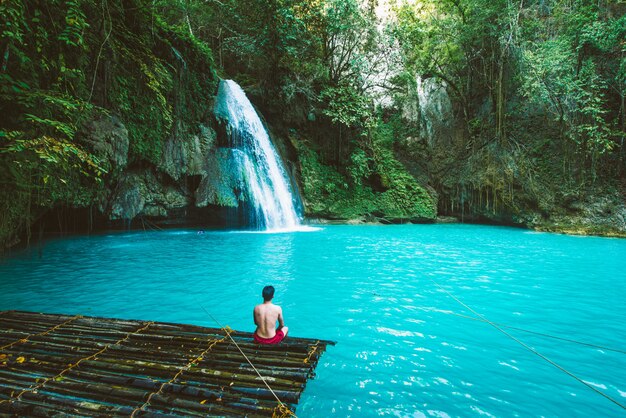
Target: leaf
[[202, 402], [20, 359]]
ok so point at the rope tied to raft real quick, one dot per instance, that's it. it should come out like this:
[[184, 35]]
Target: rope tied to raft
[[542, 334], [311, 352], [72, 365], [189, 365], [25, 339], [281, 409], [532, 350]]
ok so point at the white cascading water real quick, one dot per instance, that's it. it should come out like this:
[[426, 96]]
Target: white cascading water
[[264, 182]]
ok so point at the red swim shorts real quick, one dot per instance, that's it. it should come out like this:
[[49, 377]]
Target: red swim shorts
[[274, 340]]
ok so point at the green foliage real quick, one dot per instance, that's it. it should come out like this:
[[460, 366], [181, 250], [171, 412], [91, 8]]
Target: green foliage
[[41, 162], [569, 73], [540, 88], [75, 24], [404, 196], [467, 44], [592, 129], [549, 76], [325, 190], [270, 48], [329, 193], [360, 167], [350, 33], [64, 63], [155, 84], [317, 64], [13, 23], [346, 106], [40, 172]]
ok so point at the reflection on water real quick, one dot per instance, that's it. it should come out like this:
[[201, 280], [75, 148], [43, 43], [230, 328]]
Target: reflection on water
[[405, 347]]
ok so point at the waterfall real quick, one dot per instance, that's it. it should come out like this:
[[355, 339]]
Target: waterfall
[[265, 191]]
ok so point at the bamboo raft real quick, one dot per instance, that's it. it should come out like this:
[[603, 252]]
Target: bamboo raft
[[86, 366]]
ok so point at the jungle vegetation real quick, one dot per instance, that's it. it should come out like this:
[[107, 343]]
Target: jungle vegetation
[[537, 88]]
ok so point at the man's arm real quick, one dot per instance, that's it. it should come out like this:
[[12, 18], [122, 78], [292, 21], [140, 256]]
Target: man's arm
[[281, 321], [254, 316]]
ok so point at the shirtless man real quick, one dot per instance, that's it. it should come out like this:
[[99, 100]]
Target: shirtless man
[[265, 317]]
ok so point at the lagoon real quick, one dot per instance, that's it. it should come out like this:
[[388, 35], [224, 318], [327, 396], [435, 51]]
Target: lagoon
[[405, 346]]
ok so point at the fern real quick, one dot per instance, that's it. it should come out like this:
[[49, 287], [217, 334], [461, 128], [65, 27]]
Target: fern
[[76, 23]]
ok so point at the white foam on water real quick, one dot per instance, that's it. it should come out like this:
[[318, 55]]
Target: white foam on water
[[597, 385], [502, 363], [300, 228]]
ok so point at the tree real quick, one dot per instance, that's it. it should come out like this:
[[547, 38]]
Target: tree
[[468, 44], [568, 72]]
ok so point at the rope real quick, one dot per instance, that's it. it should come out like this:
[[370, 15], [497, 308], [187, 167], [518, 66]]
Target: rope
[[541, 333], [72, 365], [189, 365], [281, 410], [23, 340], [532, 350], [311, 352]]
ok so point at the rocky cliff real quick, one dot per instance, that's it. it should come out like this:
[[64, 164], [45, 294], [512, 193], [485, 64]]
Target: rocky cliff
[[514, 182], [197, 180]]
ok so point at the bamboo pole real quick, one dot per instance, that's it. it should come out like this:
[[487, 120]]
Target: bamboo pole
[[96, 394], [167, 364], [121, 377], [65, 405], [178, 329]]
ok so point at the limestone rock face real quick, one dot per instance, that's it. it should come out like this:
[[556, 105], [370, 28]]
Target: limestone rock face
[[128, 202], [187, 155], [196, 173], [158, 191], [141, 193], [436, 118], [221, 183], [108, 138], [602, 214]]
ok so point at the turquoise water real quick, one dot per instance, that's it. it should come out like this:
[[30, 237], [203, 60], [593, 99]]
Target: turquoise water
[[401, 350]]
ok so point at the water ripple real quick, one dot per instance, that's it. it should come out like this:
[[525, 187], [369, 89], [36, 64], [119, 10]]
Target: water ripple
[[405, 347]]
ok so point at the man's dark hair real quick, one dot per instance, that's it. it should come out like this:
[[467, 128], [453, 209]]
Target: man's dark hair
[[268, 293]]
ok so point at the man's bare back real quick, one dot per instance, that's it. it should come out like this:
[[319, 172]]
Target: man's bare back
[[265, 316]]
